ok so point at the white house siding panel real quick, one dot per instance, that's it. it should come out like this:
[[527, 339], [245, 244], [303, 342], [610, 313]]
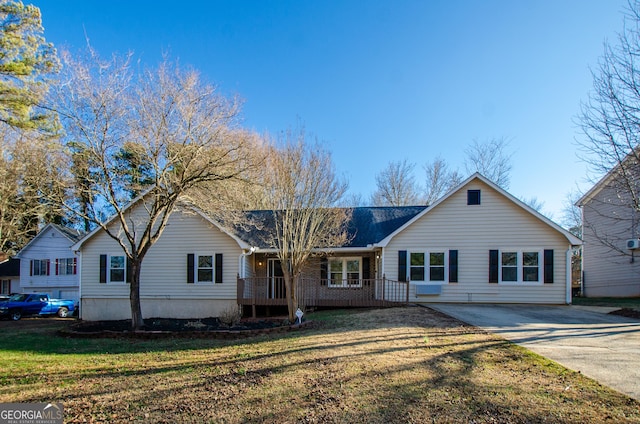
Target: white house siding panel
[[51, 245], [497, 223], [164, 290], [609, 269]]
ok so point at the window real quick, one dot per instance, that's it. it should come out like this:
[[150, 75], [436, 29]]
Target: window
[[345, 272], [530, 266], [473, 197], [516, 267], [66, 266], [509, 266], [5, 286], [436, 266], [117, 271], [417, 267], [431, 266], [40, 267], [205, 268]]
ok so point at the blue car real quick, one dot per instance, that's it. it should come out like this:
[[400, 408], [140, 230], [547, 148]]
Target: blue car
[[24, 304]]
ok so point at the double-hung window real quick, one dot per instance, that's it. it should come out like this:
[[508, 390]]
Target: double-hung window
[[345, 272], [437, 266], [66, 266], [520, 266], [205, 269], [416, 269], [40, 267], [117, 269], [428, 266]]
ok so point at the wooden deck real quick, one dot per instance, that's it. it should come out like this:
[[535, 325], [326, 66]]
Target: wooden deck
[[321, 293]]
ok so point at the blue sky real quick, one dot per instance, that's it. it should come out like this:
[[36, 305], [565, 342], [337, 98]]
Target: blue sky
[[381, 81]]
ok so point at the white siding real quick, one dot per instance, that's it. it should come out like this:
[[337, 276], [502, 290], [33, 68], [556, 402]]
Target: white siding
[[474, 230], [608, 267], [164, 289], [52, 245]]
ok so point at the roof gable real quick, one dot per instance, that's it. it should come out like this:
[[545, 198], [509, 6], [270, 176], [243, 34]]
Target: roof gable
[[70, 234], [573, 240]]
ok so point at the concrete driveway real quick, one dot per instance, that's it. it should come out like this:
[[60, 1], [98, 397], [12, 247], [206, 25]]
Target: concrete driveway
[[600, 346]]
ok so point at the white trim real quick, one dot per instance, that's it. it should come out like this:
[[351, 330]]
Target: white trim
[[109, 256], [568, 273], [196, 268], [344, 282], [520, 267], [427, 266]]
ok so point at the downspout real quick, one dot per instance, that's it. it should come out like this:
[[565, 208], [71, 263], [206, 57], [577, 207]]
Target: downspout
[[79, 274], [568, 276], [241, 261]]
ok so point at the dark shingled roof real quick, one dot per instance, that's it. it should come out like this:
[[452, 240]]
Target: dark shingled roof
[[368, 225], [70, 233]]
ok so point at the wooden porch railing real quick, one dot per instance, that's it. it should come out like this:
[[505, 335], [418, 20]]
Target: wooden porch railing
[[318, 293]]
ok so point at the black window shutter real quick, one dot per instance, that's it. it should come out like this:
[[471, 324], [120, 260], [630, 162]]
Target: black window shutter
[[366, 268], [218, 268], [548, 266], [402, 265], [31, 267], [324, 271], [453, 266], [103, 269], [129, 271], [493, 266], [190, 270]]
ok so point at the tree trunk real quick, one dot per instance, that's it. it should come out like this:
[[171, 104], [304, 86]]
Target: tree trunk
[[137, 323], [290, 289]]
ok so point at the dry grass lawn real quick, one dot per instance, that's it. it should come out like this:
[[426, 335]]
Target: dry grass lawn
[[401, 365]]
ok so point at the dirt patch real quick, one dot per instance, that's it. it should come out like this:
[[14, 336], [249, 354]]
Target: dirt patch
[[627, 312]]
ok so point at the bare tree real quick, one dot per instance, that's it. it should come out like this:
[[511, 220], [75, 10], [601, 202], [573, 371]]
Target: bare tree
[[396, 186], [439, 180], [180, 131], [610, 124], [30, 164], [302, 191], [492, 159]]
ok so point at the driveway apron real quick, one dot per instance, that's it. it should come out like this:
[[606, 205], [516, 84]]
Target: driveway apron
[[603, 347]]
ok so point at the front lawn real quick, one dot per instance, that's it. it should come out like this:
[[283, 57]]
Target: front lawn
[[618, 302], [398, 365]]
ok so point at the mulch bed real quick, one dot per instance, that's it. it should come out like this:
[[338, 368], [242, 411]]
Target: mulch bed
[[167, 327]]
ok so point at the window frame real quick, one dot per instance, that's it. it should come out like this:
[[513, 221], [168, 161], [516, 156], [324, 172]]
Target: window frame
[[344, 282], [474, 197], [110, 269], [197, 268], [64, 264], [41, 263], [427, 265], [520, 267]]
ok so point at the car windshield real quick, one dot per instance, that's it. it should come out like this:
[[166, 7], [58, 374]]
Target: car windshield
[[18, 297]]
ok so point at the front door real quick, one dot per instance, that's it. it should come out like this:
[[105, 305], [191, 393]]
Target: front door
[[276, 288]]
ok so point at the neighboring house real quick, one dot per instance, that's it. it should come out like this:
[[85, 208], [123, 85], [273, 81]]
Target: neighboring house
[[476, 244], [48, 265], [611, 234], [9, 275]]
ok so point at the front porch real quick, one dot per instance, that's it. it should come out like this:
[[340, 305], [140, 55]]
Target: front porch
[[312, 292]]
